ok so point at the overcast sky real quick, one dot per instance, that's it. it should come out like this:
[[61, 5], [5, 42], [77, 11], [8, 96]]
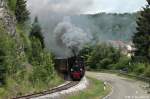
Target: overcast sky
[[86, 6], [120, 6]]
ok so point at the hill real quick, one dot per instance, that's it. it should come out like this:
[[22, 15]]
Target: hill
[[110, 26]]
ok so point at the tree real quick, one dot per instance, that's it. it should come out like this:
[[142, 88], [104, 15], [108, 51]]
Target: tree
[[36, 31], [141, 38], [102, 56], [2, 67], [3, 52], [21, 12], [148, 2]]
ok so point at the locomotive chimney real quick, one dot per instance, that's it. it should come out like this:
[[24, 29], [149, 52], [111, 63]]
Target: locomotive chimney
[[74, 51]]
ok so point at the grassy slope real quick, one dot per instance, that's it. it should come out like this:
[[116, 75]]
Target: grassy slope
[[18, 83], [95, 91], [13, 89], [22, 85], [25, 86]]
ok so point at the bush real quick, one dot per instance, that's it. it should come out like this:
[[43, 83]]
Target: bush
[[139, 68], [101, 56], [147, 71], [43, 67], [10, 59], [122, 63]]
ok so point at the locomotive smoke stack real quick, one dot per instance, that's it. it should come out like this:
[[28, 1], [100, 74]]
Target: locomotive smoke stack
[[74, 51], [69, 36]]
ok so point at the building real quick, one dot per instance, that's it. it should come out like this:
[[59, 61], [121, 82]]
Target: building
[[125, 47]]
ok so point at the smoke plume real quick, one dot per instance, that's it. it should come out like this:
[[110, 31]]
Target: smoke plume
[[67, 35], [62, 36]]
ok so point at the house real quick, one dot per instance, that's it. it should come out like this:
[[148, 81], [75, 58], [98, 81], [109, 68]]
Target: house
[[125, 47]]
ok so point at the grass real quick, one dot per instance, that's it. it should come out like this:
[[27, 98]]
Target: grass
[[14, 89], [94, 91]]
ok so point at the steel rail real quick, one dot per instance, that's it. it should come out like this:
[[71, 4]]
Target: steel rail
[[53, 90]]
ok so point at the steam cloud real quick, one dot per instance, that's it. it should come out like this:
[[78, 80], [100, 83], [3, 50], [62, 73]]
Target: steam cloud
[[68, 35], [61, 36]]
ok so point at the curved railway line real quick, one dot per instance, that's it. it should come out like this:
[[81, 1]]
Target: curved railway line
[[54, 90]]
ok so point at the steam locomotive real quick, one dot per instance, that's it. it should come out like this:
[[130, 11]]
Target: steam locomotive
[[72, 67]]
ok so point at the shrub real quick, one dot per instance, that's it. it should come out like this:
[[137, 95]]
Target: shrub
[[102, 56], [139, 68], [147, 71], [11, 57], [122, 63], [43, 67]]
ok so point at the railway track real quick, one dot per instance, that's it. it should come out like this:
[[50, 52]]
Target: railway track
[[54, 90]]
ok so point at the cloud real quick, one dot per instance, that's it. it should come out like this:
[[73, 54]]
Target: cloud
[[60, 6], [85, 6], [116, 6]]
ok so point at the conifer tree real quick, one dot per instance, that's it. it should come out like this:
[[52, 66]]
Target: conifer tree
[[141, 38], [36, 31], [2, 68], [148, 2], [21, 12]]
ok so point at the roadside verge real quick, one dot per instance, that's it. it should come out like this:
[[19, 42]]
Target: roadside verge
[[96, 90]]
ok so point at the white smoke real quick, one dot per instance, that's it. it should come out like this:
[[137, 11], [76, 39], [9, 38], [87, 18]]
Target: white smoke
[[69, 36]]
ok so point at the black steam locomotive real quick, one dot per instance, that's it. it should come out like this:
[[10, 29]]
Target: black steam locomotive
[[70, 67]]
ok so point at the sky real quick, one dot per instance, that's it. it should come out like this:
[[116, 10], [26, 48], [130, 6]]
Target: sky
[[118, 6], [86, 6]]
